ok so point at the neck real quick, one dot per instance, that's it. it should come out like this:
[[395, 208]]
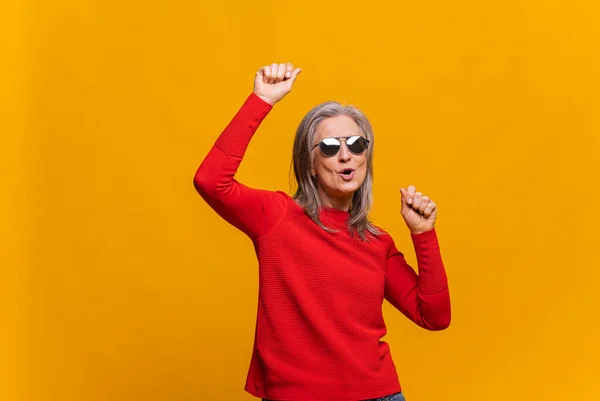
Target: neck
[[336, 202]]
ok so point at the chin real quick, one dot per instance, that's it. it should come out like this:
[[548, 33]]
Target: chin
[[348, 189], [342, 189]]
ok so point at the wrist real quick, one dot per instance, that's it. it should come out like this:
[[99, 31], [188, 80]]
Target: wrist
[[265, 99], [419, 232]]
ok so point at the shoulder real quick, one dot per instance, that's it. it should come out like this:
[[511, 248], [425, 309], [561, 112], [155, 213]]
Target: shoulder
[[382, 238], [279, 197], [275, 204], [386, 241], [282, 197], [383, 234]]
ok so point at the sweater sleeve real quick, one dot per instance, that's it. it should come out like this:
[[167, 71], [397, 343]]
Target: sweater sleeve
[[253, 211], [424, 297]]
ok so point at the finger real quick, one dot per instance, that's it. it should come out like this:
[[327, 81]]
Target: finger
[[280, 73], [404, 206], [417, 201], [296, 72], [260, 72], [431, 207], [289, 69], [404, 198], [266, 73], [424, 202], [411, 193], [274, 70]]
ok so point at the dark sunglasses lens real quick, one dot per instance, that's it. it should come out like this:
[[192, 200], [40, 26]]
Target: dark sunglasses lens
[[357, 145], [329, 150]]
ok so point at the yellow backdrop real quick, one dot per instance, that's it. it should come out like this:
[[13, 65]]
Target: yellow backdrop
[[118, 281]]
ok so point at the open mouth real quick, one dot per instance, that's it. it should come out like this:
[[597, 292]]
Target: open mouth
[[347, 173]]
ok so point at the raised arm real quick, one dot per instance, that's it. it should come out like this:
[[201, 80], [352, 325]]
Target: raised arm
[[424, 297], [253, 211]]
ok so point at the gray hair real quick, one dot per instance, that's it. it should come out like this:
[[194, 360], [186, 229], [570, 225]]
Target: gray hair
[[307, 195]]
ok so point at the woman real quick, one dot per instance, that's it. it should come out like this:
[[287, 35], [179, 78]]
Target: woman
[[324, 269]]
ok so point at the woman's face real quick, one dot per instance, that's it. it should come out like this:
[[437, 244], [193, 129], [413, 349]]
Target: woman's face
[[338, 176]]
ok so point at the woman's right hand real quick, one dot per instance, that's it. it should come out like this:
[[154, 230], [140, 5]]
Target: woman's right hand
[[273, 82]]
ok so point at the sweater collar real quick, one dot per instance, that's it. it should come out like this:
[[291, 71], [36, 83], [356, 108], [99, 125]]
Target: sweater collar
[[334, 217]]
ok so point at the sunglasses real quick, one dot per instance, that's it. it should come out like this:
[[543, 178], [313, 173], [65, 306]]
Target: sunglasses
[[331, 146]]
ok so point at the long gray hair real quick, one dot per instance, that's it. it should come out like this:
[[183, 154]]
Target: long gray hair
[[307, 195]]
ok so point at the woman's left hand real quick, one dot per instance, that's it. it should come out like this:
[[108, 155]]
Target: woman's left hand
[[419, 212]]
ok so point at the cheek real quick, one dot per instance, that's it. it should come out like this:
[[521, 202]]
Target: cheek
[[324, 166], [362, 163], [363, 168], [317, 167]]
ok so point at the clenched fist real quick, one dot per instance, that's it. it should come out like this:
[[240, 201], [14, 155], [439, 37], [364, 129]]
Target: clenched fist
[[419, 212], [274, 81]]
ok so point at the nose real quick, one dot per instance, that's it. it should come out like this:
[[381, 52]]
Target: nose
[[344, 154]]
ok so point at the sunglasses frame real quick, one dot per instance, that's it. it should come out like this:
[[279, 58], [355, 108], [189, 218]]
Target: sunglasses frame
[[339, 139]]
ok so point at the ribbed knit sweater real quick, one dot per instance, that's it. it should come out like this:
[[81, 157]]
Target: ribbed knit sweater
[[319, 321]]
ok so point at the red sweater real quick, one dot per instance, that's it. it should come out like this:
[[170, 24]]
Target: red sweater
[[319, 322]]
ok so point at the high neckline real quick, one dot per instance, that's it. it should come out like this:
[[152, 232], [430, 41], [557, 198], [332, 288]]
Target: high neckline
[[334, 217], [335, 212]]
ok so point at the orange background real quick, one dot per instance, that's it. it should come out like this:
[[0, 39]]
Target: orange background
[[119, 283]]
